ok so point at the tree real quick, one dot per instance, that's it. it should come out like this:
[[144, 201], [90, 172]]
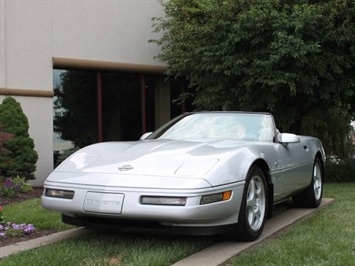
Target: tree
[[18, 156], [287, 57]]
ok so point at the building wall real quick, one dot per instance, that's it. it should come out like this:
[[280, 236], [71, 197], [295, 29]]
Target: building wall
[[36, 36], [116, 31]]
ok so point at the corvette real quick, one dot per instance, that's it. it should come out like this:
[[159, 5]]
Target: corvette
[[201, 173]]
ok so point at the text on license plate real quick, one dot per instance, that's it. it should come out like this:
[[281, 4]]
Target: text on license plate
[[103, 202]]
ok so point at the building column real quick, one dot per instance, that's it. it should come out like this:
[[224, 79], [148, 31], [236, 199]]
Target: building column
[[2, 44], [162, 101]]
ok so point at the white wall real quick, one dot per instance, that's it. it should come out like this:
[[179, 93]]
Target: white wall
[[28, 45], [105, 30], [28, 66], [33, 32]]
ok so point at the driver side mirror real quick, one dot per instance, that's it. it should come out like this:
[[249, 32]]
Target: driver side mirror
[[286, 138]]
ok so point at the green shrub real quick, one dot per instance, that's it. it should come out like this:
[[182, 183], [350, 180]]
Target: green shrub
[[9, 188], [340, 171], [4, 137], [18, 156]]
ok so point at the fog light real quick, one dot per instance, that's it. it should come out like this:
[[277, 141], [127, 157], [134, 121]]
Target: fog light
[[156, 200], [216, 197], [63, 194]]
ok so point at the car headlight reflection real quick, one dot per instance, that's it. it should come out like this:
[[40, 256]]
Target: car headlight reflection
[[158, 200], [62, 194], [223, 196]]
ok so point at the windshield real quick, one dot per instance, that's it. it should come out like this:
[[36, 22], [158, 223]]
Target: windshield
[[233, 126]]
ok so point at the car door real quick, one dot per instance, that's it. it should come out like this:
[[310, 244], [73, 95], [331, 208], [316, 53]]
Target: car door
[[295, 161]]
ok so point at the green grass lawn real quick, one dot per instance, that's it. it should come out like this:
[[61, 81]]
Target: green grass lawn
[[327, 238], [31, 212]]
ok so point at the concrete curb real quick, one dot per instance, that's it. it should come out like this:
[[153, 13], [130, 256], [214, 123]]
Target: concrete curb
[[41, 241], [221, 252]]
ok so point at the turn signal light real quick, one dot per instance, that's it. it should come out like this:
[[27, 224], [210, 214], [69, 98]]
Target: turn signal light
[[223, 196]]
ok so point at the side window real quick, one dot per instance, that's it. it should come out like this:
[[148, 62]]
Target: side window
[[267, 131]]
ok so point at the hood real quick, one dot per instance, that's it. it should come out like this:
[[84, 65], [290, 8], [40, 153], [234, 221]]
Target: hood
[[149, 157]]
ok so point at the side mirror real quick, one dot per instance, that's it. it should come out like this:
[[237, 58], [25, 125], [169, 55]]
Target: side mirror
[[286, 138], [145, 135]]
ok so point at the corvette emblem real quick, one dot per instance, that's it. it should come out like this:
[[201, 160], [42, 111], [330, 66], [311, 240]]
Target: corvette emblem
[[125, 168]]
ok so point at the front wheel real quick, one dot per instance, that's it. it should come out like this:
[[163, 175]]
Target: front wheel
[[252, 213], [312, 196]]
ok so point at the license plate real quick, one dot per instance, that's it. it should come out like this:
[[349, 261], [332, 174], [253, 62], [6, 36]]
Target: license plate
[[103, 202]]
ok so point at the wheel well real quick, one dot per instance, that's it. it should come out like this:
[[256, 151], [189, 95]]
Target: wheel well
[[270, 186], [319, 156], [265, 168]]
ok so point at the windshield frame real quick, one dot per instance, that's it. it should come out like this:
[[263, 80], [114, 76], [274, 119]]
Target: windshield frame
[[159, 133]]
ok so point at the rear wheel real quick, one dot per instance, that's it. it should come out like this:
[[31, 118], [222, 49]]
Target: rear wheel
[[312, 196], [252, 213]]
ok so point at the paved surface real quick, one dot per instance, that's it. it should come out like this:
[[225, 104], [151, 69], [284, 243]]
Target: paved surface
[[223, 251], [213, 255]]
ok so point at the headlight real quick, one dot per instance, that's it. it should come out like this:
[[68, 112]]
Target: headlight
[[158, 200], [56, 193], [216, 197]]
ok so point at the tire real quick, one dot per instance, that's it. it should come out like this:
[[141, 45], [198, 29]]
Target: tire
[[312, 196], [252, 214]]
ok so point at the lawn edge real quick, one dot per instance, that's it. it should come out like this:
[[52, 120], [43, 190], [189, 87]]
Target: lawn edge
[[40, 241]]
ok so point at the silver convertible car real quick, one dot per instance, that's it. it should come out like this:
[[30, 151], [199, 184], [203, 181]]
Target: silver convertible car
[[201, 173]]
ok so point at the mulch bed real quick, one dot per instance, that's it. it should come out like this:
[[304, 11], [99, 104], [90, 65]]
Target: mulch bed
[[35, 193], [5, 241]]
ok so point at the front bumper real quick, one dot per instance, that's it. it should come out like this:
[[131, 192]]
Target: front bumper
[[191, 215]]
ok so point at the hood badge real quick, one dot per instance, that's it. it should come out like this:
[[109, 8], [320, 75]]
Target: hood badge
[[125, 168]]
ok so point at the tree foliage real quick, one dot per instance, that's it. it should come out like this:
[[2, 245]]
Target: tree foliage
[[17, 156], [292, 58]]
